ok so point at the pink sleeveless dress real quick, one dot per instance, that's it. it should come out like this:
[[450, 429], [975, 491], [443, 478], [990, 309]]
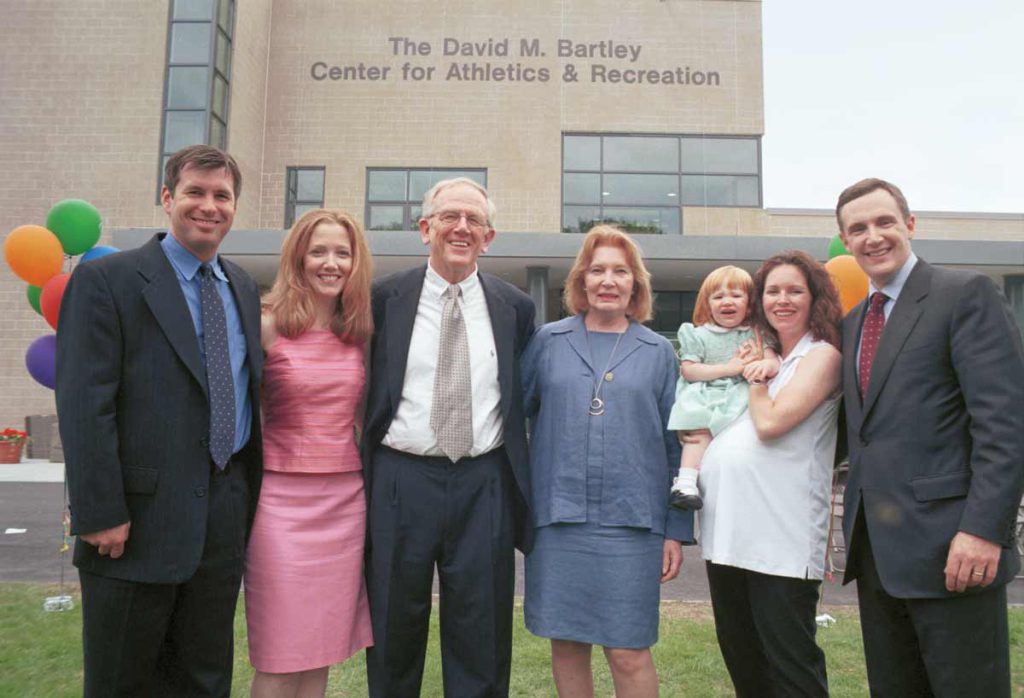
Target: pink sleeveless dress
[[305, 596]]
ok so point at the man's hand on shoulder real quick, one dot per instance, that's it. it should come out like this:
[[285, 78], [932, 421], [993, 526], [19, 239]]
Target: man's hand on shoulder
[[110, 541], [972, 561]]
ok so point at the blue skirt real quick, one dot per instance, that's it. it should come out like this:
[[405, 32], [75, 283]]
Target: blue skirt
[[594, 584]]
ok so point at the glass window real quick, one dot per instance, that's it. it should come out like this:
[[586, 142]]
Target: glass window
[[719, 190], [190, 42], [641, 153], [580, 219], [720, 155], [225, 15], [304, 191], [420, 181], [187, 88], [643, 181], [223, 58], [220, 96], [661, 190], [386, 218], [387, 185], [671, 309], [403, 191], [218, 134], [193, 9], [581, 152], [301, 209], [635, 219], [578, 188], [184, 128], [197, 92], [309, 184]]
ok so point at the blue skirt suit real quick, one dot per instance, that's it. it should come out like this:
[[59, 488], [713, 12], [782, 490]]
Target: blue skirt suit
[[600, 483]]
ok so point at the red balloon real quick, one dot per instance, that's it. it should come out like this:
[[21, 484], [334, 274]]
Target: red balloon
[[49, 299]]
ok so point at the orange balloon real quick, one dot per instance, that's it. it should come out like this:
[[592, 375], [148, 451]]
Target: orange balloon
[[33, 253], [50, 298], [850, 281]]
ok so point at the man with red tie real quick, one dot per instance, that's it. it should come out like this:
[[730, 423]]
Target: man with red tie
[[933, 380]]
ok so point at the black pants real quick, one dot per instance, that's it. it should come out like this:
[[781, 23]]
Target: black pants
[[952, 646], [424, 512], [142, 639], [765, 627]]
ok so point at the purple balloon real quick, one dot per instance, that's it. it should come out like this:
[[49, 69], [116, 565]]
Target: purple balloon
[[98, 251], [41, 360]]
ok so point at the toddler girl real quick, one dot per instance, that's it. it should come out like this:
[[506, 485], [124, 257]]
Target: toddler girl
[[715, 351]]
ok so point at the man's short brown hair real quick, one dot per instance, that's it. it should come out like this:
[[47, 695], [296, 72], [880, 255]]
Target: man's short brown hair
[[201, 157], [865, 187]]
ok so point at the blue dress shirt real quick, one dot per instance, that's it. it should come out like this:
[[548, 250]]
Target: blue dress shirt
[[186, 267]]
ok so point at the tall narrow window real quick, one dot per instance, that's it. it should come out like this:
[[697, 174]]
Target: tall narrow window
[[394, 196], [198, 78], [305, 191], [641, 182]]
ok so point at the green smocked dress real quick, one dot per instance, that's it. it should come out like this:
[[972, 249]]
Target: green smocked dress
[[709, 404]]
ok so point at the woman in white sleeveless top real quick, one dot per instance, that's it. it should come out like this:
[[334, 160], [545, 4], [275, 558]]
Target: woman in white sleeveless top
[[766, 483]]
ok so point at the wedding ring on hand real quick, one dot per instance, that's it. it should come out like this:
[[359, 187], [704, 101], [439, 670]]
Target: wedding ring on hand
[[757, 381], [976, 573]]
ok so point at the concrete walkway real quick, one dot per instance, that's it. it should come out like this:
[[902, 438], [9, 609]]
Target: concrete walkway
[[32, 471]]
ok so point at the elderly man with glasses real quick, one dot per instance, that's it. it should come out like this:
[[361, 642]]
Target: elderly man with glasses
[[445, 455]]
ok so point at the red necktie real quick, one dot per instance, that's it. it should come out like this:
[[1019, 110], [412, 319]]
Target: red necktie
[[874, 323]]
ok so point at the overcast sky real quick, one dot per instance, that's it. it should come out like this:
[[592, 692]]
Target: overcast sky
[[928, 94]]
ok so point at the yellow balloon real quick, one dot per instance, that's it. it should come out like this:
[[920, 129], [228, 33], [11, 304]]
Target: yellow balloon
[[850, 281], [33, 253]]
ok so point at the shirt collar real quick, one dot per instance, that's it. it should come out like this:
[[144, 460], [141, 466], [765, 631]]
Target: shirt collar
[[893, 289], [186, 263], [712, 327], [437, 284]]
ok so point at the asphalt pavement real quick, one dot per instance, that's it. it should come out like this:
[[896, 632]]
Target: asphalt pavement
[[32, 506]]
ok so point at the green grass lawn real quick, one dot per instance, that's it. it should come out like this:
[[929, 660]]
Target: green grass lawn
[[40, 653]]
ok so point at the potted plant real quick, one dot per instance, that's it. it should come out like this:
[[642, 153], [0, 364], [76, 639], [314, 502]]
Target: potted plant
[[11, 443]]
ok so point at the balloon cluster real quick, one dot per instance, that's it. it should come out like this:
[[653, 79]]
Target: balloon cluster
[[849, 279], [39, 256]]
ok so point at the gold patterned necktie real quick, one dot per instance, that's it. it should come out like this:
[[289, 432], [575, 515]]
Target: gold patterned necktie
[[451, 409]]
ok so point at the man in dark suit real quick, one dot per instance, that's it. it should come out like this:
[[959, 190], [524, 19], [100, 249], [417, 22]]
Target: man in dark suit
[[158, 369], [933, 379], [445, 456]]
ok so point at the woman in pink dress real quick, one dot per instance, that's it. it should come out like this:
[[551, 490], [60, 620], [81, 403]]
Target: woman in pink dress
[[305, 599]]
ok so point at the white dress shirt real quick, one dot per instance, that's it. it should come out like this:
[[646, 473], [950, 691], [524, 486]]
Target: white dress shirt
[[410, 429]]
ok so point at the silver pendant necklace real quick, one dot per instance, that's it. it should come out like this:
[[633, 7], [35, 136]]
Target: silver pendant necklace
[[606, 376]]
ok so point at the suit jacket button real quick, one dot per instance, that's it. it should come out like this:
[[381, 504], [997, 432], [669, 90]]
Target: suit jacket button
[[204, 442], [200, 491]]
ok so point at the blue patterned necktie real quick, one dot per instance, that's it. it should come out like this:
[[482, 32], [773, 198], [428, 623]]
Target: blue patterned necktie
[[218, 369]]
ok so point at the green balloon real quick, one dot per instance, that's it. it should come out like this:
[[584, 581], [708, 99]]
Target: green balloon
[[836, 248], [33, 297], [76, 224]]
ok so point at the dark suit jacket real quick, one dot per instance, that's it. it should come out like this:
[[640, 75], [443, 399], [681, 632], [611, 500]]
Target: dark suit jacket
[[937, 446], [134, 415], [395, 301]]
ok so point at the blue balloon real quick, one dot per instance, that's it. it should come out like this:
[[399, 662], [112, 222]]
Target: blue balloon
[[41, 360], [97, 252]]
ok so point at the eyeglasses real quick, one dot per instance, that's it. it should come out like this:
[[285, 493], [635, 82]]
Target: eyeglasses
[[450, 219]]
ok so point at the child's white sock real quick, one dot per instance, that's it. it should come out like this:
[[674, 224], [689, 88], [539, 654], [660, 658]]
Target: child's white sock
[[686, 481]]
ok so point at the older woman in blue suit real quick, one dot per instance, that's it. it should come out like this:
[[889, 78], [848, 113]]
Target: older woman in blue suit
[[598, 389]]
